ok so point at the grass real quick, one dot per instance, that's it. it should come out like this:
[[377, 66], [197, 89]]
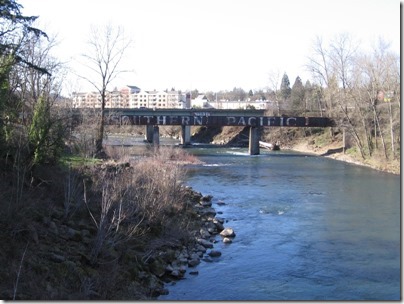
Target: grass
[[77, 161], [323, 139]]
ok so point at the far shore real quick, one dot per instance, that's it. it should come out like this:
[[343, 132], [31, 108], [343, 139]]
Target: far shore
[[338, 154]]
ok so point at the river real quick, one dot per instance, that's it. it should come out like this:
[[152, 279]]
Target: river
[[307, 228]]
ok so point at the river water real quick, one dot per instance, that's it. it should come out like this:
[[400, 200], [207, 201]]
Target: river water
[[307, 228]]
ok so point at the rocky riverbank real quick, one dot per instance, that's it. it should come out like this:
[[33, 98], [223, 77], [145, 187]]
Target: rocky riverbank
[[201, 248]]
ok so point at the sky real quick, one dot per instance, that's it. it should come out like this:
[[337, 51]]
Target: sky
[[212, 45]]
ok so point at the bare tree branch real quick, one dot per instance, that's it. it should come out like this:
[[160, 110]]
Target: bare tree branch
[[108, 46]]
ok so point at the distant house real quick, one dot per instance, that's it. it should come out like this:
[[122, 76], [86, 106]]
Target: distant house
[[201, 101]]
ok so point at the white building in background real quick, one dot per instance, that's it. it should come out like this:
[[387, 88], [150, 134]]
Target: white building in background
[[160, 99], [202, 102], [242, 105], [133, 97]]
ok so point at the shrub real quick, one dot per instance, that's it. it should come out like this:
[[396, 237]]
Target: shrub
[[46, 134], [130, 200]]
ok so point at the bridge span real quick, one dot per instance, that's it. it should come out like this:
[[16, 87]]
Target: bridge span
[[254, 119]]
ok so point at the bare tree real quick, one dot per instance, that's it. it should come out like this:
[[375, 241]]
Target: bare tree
[[107, 47], [32, 83], [274, 78], [361, 88], [330, 66], [382, 70]]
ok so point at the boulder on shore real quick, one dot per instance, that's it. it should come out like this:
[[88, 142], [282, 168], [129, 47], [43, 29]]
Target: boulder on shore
[[205, 243], [227, 240], [206, 198], [214, 253], [228, 232]]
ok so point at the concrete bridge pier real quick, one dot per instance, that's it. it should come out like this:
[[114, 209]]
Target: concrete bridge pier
[[149, 133], [254, 143], [152, 135], [156, 136], [185, 135]]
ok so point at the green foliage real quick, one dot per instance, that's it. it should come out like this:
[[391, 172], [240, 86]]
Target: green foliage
[[76, 161], [285, 87], [45, 134], [353, 151], [323, 139], [39, 130], [297, 96]]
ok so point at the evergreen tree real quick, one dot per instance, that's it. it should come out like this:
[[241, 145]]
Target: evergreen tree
[[45, 134], [310, 97], [14, 29], [297, 96], [285, 87], [39, 130]]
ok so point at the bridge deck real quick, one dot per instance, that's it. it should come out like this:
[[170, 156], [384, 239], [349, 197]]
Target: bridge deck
[[210, 117]]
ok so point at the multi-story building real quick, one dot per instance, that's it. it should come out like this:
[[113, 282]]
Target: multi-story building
[[160, 99], [133, 97], [86, 100]]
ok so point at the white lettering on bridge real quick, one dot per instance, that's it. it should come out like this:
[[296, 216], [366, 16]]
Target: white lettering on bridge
[[210, 120]]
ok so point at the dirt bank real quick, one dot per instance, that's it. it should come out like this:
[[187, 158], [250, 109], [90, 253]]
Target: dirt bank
[[335, 150]]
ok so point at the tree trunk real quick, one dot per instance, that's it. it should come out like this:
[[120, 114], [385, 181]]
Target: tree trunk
[[353, 131], [392, 132], [99, 152], [377, 126], [100, 136]]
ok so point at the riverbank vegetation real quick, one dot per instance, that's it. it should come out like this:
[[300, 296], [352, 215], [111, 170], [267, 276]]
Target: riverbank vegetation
[[93, 231]]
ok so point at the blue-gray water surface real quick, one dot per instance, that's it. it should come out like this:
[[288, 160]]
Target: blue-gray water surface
[[307, 228]]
